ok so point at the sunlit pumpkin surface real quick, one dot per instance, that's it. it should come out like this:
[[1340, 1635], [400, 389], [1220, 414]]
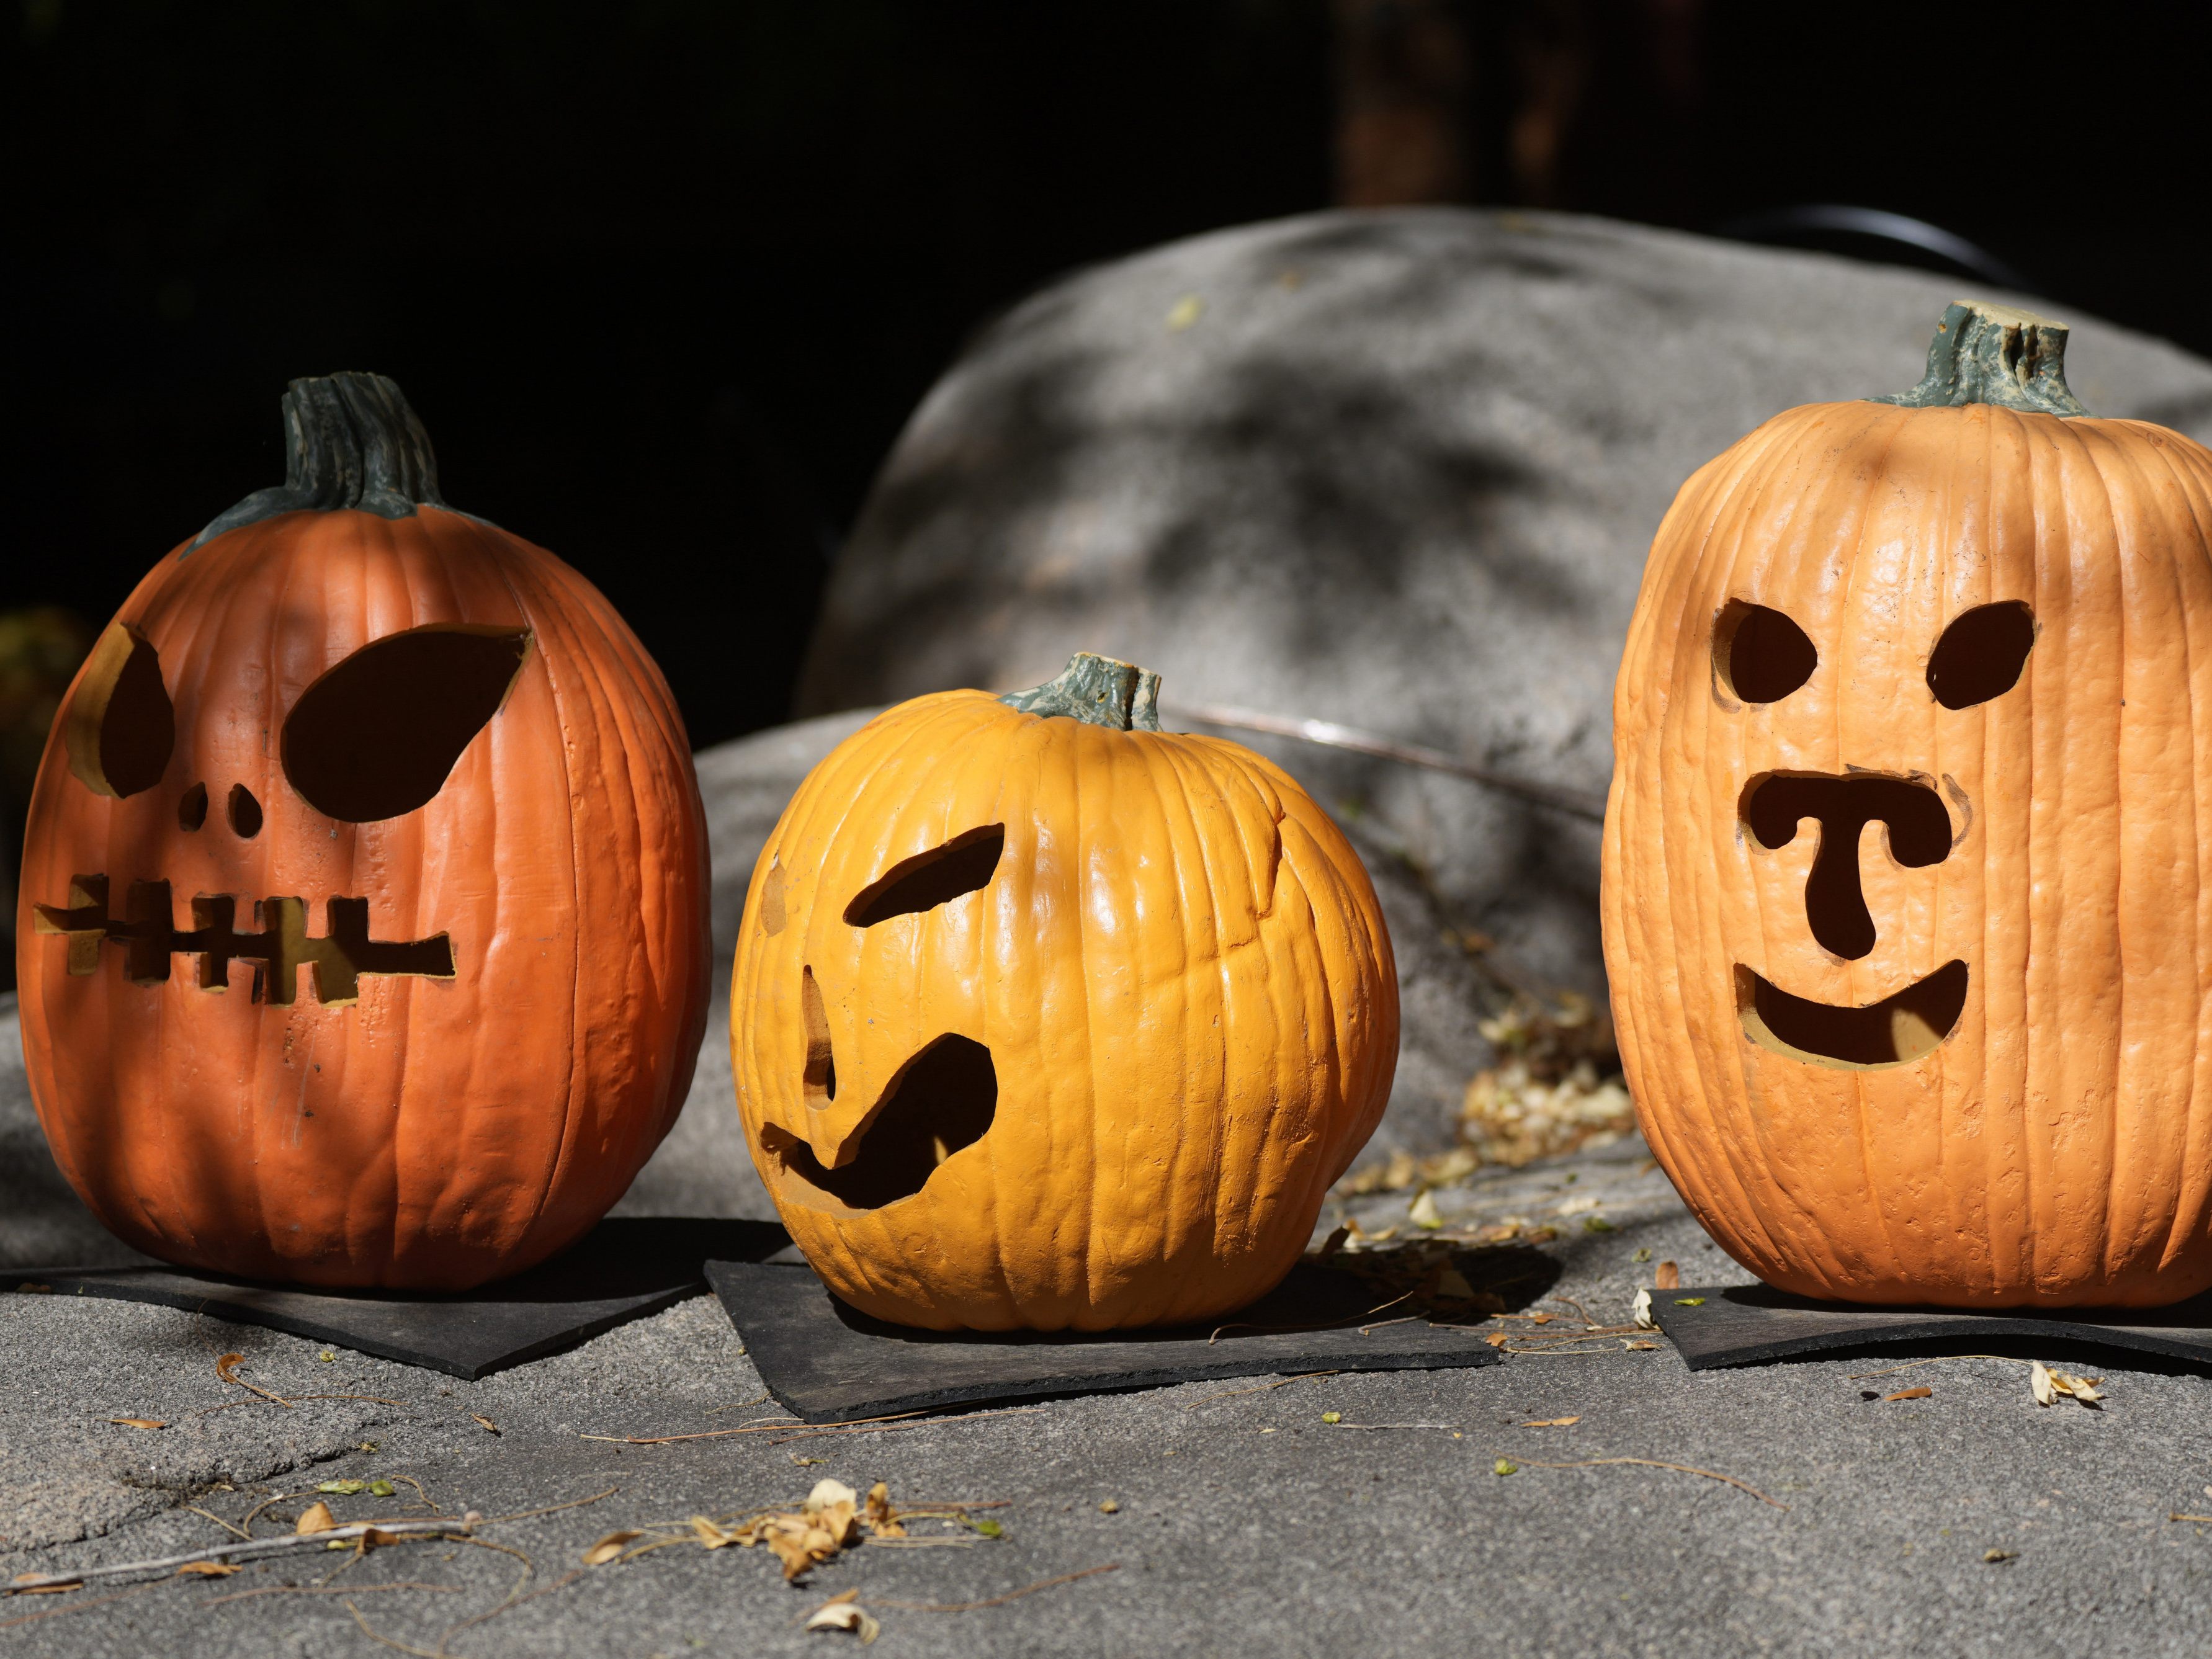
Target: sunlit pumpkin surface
[[362, 936], [1041, 1024], [1908, 863]]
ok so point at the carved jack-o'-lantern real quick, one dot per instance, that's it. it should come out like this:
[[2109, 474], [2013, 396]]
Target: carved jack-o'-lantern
[[1908, 856], [362, 937], [1045, 1017]]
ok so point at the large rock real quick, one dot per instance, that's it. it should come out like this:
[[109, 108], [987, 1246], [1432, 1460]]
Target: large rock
[[1394, 470]]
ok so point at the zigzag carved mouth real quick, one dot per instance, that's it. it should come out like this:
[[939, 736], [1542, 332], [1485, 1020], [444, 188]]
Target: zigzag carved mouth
[[149, 934], [941, 1102], [1895, 1031]]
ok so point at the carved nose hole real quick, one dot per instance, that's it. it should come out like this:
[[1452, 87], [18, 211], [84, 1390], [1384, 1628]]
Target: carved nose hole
[[821, 1074], [245, 813], [191, 810], [1835, 904]]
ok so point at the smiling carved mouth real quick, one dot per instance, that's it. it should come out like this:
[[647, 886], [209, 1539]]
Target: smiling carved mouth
[[1896, 1030], [941, 1102], [148, 933]]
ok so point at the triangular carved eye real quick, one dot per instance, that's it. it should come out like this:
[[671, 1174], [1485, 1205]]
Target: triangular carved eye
[[120, 726], [376, 735]]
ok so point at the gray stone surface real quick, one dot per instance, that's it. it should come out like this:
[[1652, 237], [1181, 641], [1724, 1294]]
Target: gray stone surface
[[1398, 470], [1247, 1525]]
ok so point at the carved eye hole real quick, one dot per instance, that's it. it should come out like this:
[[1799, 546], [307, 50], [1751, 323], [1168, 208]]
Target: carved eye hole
[[121, 727], [1982, 653], [963, 865], [1759, 654], [375, 736]]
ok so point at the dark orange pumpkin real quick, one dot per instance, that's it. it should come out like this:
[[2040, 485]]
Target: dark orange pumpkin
[[362, 936]]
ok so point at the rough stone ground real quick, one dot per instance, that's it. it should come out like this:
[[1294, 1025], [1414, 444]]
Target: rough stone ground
[[1246, 1523]]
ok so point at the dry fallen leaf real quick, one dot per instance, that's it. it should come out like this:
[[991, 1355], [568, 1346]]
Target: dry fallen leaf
[[2000, 1555], [1642, 1308], [485, 1423], [210, 1569], [1498, 1339], [1552, 1423], [1639, 1347], [610, 1546], [2047, 1385], [316, 1518], [139, 1422], [342, 1488], [846, 1614], [1504, 1466], [1669, 1276], [1108, 1506], [227, 1367], [1422, 1213], [877, 1516], [712, 1536], [1910, 1394]]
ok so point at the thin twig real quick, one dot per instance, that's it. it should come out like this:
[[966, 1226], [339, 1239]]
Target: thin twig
[[717, 1434], [1654, 1463], [387, 1640], [1329, 735], [228, 1526], [553, 1508], [559, 1584], [716, 1411], [1280, 1382], [1325, 1325], [2178, 1516], [227, 1368], [346, 1589], [80, 1607], [898, 1428], [1453, 1427], [252, 1551], [996, 1600]]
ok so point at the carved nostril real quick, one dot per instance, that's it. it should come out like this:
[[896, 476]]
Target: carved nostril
[[1920, 825], [191, 810], [245, 813]]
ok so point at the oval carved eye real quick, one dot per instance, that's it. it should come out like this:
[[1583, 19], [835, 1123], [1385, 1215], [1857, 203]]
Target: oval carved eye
[[1982, 653], [376, 735], [1759, 654]]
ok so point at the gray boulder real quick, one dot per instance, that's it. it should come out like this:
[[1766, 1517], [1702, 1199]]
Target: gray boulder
[[1396, 470]]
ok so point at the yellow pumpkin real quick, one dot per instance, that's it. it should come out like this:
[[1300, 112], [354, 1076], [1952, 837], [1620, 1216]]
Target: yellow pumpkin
[[1045, 1017], [1908, 862]]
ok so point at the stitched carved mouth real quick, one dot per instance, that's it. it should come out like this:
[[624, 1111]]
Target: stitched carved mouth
[[941, 1103], [148, 936], [1895, 1031]]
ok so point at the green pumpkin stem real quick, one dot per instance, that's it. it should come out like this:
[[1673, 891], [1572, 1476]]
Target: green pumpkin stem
[[351, 442], [1118, 695], [1992, 353]]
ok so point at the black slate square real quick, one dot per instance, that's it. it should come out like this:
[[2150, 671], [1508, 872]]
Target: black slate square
[[623, 1269], [1747, 1324], [826, 1361]]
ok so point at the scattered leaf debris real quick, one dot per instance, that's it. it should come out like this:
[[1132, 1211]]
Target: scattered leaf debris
[[1423, 1211], [327, 1358], [212, 1569], [484, 1422], [1642, 1306], [139, 1422], [610, 1546], [844, 1611], [1552, 1423], [1910, 1393], [2048, 1385], [316, 1518], [1669, 1277], [1689, 1302], [1505, 1466], [1642, 1254], [1994, 1556], [1332, 1416], [1108, 1506]]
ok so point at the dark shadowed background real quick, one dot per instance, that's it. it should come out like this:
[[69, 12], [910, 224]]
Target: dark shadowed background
[[665, 279]]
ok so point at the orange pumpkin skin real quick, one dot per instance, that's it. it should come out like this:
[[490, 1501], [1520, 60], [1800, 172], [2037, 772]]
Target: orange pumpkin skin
[[438, 1131], [2055, 1148], [1179, 971]]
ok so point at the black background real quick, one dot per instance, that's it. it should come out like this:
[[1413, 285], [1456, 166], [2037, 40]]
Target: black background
[[665, 279]]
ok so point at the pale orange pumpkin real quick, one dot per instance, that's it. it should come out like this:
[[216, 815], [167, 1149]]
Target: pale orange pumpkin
[[1045, 1017], [364, 930], [1908, 862]]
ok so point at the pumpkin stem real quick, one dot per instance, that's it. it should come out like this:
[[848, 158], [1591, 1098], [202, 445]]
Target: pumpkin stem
[[1118, 695], [351, 442], [1992, 353]]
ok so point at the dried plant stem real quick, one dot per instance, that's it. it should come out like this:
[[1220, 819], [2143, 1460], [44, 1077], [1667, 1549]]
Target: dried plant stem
[[344, 1590], [898, 1428], [717, 1434], [1280, 1382], [553, 1508], [253, 1550], [1654, 1463]]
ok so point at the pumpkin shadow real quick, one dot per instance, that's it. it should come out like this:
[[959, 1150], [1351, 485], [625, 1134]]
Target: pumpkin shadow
[[1355, 1293]]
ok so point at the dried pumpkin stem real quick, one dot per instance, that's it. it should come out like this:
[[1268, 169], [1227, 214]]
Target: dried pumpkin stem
[[1098, 690], [1992, 353], [351, 440]]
